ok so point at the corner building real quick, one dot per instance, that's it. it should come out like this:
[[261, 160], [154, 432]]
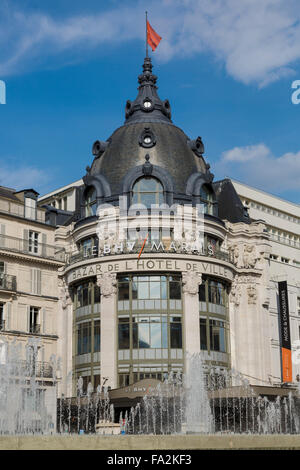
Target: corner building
[[126, 317]]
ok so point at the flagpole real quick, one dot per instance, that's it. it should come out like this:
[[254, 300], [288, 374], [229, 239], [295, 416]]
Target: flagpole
[[146, 36]]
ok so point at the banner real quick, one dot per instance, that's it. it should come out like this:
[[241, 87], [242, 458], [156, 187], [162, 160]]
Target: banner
[[285, 333]]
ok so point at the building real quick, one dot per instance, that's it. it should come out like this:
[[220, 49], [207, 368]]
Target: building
[[282, 220], [133, 303], [29, 263]]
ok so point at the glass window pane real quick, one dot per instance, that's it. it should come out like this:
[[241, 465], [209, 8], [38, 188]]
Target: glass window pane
[[175, 290], [134, 335], [203, 337], [164, 335], [155, 335], [148, 184], [202, 293], [143, 290], [124, 336], [144, 341], [124, 291], [154, 290], [176, 335], [97, 336]]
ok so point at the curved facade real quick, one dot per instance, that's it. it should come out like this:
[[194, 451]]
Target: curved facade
[[140, 299]]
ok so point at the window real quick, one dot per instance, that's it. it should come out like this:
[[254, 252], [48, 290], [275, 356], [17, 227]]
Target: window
[[65, 203], [90, 202], [217, 335], [97, 339], [33, 242], [89, 247], [2, 323], [152, 332], [203, 335], [176, 333], [124, 333], [298, 305], [84, 338], [34, 326], [207, 199], [30, 208], [147, 191], [216, 292]]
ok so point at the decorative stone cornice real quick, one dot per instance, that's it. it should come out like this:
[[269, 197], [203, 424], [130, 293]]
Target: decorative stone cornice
[[107, 283], [190, 282]]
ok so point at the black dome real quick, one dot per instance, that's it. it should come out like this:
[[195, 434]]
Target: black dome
[[168, 146]]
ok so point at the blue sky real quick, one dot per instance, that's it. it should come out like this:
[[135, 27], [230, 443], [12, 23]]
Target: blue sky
[[226, 66]]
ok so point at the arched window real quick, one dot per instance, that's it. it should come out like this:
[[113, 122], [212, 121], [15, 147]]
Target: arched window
[[90, 202], [147, 191], [208, 199]]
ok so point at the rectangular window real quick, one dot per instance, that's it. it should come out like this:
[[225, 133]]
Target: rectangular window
[[176, 333], [33, 242], [97, 336], [203, 336], [217, 335], [84, 338], [124, 333], [34, 326], [2, 324], [298, 305]]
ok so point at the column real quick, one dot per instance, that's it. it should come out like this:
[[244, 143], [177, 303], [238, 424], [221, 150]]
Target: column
[[108, 286], [191, 281], [65, 334]]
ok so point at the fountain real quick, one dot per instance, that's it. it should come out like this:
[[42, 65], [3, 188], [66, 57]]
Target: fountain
[[27, 390], [204, 401]]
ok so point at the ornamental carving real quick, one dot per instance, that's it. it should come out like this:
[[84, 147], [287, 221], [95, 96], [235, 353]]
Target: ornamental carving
[[107, 283], [249, 257], [64, 293], [235, 293], [190, 282], [252, 295]]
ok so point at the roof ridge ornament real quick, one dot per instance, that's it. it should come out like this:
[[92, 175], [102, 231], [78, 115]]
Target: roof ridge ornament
[[147, 167]]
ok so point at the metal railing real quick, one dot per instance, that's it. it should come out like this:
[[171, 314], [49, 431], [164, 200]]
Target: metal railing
[[39, 369], [8, 282], [24, 246], [284, 240], [35, 329], [18, 209]]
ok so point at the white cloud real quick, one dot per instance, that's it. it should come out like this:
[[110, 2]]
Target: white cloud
[[23, 177], [244, 154], [257, 166], [258, 41]]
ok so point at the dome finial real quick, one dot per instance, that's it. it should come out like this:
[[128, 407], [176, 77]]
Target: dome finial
[[147, 106]]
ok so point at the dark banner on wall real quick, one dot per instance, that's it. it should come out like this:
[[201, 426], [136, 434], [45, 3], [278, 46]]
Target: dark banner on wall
[[286, 353]]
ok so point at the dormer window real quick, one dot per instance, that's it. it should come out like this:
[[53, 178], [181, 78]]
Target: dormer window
[[207, 199], [90, 202], [147, 191]]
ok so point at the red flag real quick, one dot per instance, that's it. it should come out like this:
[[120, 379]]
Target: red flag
[[153, 38]]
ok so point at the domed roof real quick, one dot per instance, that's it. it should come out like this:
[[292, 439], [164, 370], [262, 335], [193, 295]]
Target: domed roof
[[148, 129]]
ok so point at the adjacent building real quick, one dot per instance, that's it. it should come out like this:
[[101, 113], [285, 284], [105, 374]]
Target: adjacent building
[[29, 264]]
